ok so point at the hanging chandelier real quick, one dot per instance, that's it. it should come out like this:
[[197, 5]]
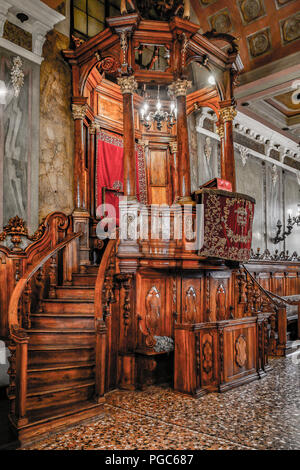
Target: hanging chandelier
[[159, 116]]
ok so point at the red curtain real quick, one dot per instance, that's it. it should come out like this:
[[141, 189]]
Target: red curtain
[[109, 170]]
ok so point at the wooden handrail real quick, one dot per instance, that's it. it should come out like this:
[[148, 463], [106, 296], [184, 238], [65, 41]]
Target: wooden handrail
[[101, 277], [289, 302], [19, 288], [264, 291]]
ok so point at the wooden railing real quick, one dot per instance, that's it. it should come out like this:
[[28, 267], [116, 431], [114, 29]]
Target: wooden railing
[[259, 299], [15, 261], [104, 297], [37, 282]]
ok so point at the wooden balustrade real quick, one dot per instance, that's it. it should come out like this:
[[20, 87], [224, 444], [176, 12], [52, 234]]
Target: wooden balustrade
[[13, 264], [104, 297], [266, 301]]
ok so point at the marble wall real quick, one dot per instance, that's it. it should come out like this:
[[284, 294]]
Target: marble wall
[[276, 190], [56, 122], [19, 140]]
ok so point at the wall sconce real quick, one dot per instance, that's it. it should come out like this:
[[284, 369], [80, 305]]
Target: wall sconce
[[290, 224]]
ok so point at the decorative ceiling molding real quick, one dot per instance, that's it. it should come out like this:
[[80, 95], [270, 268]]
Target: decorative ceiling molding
[[41, 19], [258, 132]]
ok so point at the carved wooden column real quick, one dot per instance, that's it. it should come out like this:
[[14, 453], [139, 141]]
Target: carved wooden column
[[79, 110], [174, 170], [227, 114], [80, 214], [220, 132], [93, 129], [129, 206], [179, 89], [128, 86]]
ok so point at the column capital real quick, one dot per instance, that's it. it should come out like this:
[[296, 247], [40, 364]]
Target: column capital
[[228, 113], [79, 110], [179, 87], [173, 146], [94, 127], [128, 84]]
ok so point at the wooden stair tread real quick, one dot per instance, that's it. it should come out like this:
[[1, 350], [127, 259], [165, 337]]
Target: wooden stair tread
[[50, 389], [55, 330], [69, 365], [84, 288], [52, 413], [85, 274], [74, 301], [63, 314], [57, 347]]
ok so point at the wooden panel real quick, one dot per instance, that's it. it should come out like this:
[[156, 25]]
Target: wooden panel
[[152, 287], [278, 283], [219, 296], [192, 300], [110, 109], [239, 351], [208, 356], [158, 167]]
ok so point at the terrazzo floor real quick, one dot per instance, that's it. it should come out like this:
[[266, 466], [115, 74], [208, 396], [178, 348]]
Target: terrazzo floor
[[264, 414]]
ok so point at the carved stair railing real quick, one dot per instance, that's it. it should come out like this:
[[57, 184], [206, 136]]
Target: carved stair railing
[[253, 298], [38, 282], [15, 260], [104, 297]]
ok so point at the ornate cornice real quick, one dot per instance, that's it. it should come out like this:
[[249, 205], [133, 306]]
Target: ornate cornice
[[127, 84], [179, 87], [94, 127], [228, 113], [79, 110]]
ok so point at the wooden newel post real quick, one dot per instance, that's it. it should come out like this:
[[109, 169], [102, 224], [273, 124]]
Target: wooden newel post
[[79, 111], [282, 328], [179, 90], [100, 360], [227, 115], [128, 86], [20, 338]]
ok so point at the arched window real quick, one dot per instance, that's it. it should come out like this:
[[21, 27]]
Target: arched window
[[88, 16]]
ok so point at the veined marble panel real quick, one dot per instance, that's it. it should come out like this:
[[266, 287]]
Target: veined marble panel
[[292, 205], [250, 180], [274, 202], [19, 143]]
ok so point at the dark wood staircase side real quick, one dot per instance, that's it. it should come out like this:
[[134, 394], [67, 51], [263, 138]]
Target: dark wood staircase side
[[53, 349]]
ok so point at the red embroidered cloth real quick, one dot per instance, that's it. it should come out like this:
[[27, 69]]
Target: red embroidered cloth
[[227, 225], [109, 171]]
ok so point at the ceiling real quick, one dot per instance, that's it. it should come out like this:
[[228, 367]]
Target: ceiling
[[269, 40]]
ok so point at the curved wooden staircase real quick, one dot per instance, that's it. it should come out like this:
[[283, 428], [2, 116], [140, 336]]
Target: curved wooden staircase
[[61, 360], [57, 343]]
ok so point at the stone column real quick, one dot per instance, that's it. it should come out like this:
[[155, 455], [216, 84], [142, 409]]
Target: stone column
[[179, 90], [128, 86], [227, 115]]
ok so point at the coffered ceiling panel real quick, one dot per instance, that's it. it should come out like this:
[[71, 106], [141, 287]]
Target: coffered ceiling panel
[[267, 29]]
